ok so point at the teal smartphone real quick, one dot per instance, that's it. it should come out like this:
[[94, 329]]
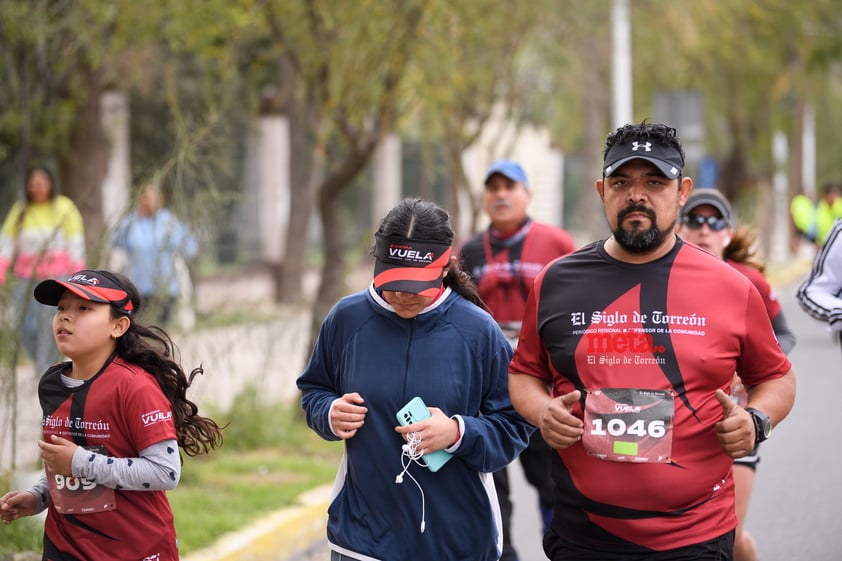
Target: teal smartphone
[[414, 411]]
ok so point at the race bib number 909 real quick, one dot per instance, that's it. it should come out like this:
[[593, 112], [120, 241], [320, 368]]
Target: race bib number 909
[[77, 495], [629, 425]]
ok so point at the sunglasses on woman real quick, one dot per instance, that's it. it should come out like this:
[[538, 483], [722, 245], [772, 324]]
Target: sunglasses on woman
[[696, 221]]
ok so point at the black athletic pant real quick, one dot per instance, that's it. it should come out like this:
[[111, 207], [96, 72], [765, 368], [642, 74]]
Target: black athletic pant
[[717, 549]]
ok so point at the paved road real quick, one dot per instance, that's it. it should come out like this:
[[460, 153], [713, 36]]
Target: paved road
[[797, 502]]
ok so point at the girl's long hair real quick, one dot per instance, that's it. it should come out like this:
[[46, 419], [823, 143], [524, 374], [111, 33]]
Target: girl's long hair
[[151, 348]]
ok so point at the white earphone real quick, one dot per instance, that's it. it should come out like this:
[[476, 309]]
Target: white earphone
[[409, 454]]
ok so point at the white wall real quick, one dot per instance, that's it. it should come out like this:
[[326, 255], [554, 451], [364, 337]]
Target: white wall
[[530, 146], [273, 185], [116, 187], [386, 178]]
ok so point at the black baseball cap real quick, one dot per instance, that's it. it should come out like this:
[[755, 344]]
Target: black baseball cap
[[666, 158], [93, 285]]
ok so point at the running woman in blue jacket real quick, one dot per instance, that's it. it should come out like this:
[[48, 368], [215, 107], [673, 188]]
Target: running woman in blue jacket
[[419, 330]]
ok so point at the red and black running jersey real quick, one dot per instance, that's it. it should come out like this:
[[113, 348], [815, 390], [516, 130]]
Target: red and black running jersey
[[670, 332], [773, 305], [118, 412], [505, 268]]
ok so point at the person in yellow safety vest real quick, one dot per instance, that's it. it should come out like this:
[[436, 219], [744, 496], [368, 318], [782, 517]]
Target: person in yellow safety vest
[[814, 222]]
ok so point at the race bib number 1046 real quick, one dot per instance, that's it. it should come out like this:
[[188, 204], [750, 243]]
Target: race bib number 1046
[[629, 424]]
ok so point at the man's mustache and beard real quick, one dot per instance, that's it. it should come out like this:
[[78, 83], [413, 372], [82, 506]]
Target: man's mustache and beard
[[638, 239]]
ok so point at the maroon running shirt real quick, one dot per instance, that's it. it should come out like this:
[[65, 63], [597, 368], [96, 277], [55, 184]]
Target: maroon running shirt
[[505, 268], [773, 305], [648, 345], [118, 412]]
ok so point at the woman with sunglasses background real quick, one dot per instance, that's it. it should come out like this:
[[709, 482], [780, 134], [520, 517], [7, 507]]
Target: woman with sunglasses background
[[707, 221]]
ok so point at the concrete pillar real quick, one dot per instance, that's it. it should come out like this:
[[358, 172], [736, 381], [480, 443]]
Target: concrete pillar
[[808, 159], [621, 66], [779, 251], [386, 177], [546, 178], [273, 185], [116, 187]]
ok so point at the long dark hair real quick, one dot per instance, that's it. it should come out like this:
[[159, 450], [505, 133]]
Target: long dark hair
[[27, 199], [742, 248], [151, 348], [46, 171], [418, 219]]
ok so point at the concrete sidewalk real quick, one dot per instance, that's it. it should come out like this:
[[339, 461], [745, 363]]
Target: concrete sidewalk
[[285, 534]]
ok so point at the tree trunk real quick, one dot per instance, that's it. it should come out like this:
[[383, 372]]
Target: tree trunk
[[330, 287], [796, 178], [304, 180], [333, 233], [455, 185], [306, 173], [82, 170]]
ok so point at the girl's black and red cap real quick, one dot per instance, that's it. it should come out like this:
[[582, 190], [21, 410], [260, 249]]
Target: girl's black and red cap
[[96, 286]]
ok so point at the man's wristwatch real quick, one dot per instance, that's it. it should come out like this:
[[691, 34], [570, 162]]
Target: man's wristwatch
[[762, 425]]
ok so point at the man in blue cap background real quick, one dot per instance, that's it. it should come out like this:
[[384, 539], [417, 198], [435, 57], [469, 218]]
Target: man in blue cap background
[[504, 260]]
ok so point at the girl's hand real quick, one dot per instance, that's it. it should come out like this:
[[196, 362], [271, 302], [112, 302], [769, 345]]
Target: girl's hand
[[15, 504], [347, 415], [436, 432], [58, 456]]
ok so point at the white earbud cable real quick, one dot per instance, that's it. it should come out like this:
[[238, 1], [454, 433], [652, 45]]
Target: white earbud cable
[[409, 454]]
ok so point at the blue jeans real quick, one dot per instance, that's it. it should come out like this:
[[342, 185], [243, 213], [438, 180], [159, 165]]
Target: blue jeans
[[36, 331]]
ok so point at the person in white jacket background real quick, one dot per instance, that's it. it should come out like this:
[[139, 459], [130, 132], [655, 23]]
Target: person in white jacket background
[[819, 295]]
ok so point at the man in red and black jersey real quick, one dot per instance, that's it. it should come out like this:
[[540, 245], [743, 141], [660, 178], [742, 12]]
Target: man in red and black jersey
[[504, 260], [625, 358]]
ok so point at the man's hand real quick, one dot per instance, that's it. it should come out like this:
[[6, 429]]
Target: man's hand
[[559, 427], [735, 431]]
